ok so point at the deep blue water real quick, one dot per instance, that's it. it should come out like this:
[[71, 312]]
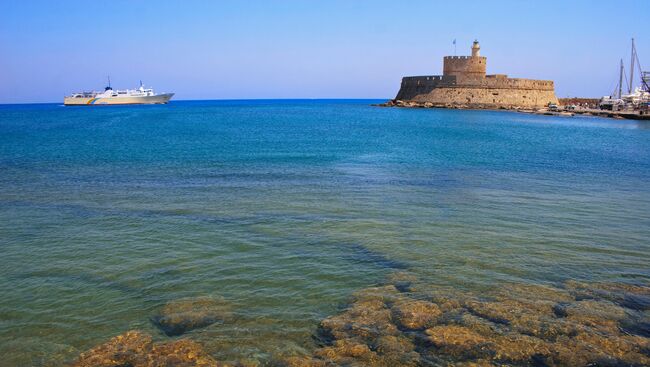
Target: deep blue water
[[284, 208]]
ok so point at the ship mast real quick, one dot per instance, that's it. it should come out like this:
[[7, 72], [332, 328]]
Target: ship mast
[[620, 81], [632, 68]]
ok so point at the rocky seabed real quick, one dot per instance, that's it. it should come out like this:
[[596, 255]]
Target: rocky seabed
[[406, 322]]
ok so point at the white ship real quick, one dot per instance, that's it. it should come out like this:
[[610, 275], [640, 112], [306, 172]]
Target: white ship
[[640, 96], [637, 99], [109, 96]]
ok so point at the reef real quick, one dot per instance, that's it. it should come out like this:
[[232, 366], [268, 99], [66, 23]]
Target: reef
[[180, 316], [408, 322], [136, 349]]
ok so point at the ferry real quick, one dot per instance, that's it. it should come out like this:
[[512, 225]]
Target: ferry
[[109, 96]]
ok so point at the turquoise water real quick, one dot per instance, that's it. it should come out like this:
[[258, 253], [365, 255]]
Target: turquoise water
[[284, 208]]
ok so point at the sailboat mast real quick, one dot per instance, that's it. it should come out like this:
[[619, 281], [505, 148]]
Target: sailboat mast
[[632, 69], [620, 81]]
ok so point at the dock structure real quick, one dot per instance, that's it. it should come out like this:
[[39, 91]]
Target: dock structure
[[624, 114]]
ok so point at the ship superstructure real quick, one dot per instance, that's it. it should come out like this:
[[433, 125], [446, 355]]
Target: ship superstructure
[[110, 96]]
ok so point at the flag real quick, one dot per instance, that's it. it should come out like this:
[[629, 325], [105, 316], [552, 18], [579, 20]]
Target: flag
[[454, 42]]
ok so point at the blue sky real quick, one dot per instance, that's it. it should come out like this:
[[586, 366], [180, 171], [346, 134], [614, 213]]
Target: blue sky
[[306, 49]]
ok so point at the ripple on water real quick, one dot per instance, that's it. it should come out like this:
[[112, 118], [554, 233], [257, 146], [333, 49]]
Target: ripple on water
[[286, 209]]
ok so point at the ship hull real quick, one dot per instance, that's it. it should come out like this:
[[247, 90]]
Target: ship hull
[[100, 101]]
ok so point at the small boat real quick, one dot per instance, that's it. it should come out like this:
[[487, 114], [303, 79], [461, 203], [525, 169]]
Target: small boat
[[109, 96]]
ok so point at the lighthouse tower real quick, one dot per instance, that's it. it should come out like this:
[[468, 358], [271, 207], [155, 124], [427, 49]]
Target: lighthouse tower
[[476, 49]]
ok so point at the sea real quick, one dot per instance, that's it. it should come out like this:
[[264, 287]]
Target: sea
[[286, 208]]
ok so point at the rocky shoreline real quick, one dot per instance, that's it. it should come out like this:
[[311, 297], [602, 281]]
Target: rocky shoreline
[[561, 111], [407, 322], [415, 104]]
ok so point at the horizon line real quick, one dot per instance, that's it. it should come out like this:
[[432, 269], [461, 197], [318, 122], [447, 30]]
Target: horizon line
[[221, 99]]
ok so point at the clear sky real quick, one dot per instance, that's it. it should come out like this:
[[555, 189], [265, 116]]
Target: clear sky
[[306, 49]]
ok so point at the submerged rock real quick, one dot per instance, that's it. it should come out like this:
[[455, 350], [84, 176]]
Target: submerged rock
[[366, 334], [514, 325], [299, 361], [601, 315], [533, 293], [402, 281], [459, 341], [415, 314], [346, 351], [411, 323], [448, 299], [180, 316], [634, 297], [365, 320], [136, 349], [537, 318], [522, 349]]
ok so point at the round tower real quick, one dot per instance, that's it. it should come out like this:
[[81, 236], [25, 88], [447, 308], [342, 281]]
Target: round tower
[[466, 69], [476, 49]]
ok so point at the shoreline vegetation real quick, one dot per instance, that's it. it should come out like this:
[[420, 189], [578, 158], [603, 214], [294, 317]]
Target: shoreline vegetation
[[587, 108], [406, 322]]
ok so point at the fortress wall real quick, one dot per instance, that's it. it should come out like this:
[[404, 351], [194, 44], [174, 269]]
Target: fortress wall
[[484, 97], [421, 83], [414, 85], [511, 83], [465, 68], [519, 83]]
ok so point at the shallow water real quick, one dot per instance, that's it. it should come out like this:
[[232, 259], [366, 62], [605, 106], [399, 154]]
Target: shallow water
[[285, 208]]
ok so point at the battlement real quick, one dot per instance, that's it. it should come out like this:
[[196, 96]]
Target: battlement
[[496, 81], [457, 57], [497, 76], [429, 78]]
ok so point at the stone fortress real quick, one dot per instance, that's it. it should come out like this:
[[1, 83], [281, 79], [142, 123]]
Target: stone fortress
[[464, 83]]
